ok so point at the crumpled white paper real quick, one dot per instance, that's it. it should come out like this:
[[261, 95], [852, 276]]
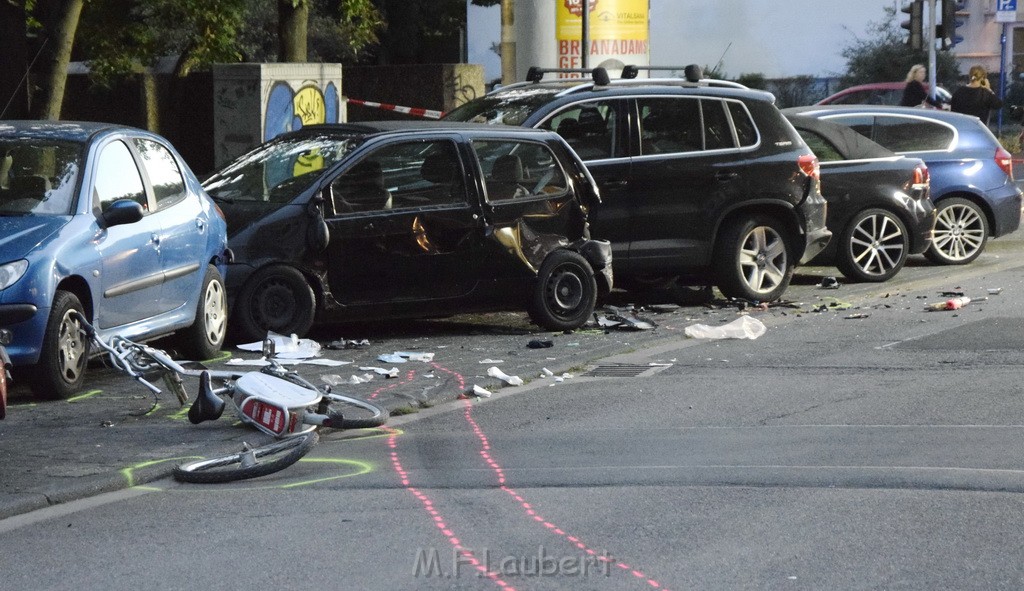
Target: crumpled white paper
[[744, 327], [494, 372]]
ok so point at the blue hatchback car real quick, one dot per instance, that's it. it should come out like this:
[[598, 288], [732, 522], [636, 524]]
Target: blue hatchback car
[[971, 173], [109, 221]]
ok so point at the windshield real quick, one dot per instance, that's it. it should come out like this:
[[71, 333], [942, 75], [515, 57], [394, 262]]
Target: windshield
[[512, 107], [278, 171], [38, 177]]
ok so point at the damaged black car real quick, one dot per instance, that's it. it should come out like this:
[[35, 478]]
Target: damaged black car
[[367, 221]]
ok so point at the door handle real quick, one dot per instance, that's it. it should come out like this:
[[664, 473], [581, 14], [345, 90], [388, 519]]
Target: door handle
[[614, 183], [725, 175]]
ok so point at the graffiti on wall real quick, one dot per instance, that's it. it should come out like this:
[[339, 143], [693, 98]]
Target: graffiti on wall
[[460, 90], [289, 109]]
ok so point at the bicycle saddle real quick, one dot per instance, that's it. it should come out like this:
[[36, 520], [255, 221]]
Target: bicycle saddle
[[208, 406]]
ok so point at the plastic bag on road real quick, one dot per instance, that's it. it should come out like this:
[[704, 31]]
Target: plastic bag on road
[[744, 327]]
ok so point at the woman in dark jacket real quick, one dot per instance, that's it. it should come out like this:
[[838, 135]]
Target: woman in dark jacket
[[914, 93], [977, 97]]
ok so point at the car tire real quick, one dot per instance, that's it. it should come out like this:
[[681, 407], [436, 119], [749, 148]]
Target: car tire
[[276, 298], [205, 337], [873, 247], [752, 259], [961, 230], [65, 351], [565, 293]]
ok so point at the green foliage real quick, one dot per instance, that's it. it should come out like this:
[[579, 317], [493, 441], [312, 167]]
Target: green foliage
[[883, 56], [753, 81], [339, 30], [120, 36]]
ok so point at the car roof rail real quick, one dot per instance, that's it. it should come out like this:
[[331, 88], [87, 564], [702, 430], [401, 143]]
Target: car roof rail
[[692, 73], [598, 74]]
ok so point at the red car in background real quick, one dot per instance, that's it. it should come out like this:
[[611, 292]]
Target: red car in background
[[877, 93]]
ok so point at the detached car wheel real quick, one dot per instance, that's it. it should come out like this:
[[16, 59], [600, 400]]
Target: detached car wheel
[[873, 246], [566, 292], [752, 259], [205, 337], [65, 351], [275, 298], [961, 230]]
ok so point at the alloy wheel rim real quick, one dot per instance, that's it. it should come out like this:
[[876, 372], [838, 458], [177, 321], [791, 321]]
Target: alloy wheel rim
[[565, 291], [763, 259], [877, 245], [959, 232]]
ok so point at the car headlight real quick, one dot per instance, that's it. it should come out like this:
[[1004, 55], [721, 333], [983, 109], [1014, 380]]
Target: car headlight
[[12, 272]]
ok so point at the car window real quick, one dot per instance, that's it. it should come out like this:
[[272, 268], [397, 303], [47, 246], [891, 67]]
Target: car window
[[905, 134], [745, 130], [278, 171], [518, 170], [862, 124], [38, 177], [669, 125], [591, 128], [163, 172], [717, 132], [401, 175], [822, 148], [117, 177]]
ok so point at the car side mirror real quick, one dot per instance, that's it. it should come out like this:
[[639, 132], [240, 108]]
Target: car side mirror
[[122, 211]]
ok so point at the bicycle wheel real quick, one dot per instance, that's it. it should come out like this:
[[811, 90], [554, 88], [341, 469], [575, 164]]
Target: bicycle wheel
[[349, 412], [248, 463]]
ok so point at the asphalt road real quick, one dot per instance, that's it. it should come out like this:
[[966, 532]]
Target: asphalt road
[[860, 443]]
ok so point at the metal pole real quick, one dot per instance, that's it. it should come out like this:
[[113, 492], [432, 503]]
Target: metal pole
[[930, 40], [1002, 75], [585, 35]]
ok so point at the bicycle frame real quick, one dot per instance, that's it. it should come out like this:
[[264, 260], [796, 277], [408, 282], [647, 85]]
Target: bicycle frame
[[273, 399]]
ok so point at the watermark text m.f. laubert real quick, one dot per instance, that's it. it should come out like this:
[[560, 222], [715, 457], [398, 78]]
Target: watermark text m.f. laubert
[[429, 563]]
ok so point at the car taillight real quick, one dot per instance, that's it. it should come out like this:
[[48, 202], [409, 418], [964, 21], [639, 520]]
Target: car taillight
[[921, 176], [1005, 161], [809, 166], [220, 212]]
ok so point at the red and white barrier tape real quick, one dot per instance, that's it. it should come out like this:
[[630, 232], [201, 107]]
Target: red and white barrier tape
[[427, 113]]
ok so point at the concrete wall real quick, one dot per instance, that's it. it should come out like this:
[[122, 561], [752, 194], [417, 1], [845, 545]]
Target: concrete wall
[[253, 103]]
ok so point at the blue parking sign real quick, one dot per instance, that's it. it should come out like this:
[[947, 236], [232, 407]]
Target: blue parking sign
[[1006, 11]]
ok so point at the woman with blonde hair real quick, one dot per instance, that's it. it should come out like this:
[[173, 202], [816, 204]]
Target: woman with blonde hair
[[976, 98], [914, 93]]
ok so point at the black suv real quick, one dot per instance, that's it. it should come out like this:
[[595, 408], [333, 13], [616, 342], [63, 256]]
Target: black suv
[[701, 181]]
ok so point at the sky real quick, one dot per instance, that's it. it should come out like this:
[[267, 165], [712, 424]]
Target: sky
[[777, 38]]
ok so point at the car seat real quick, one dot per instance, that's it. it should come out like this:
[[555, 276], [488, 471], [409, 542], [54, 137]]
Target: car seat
[[440, 169], [506, 179], [362, 189]]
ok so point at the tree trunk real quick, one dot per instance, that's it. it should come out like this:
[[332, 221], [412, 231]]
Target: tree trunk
[[508, 42], [292, 26], [60, 40]]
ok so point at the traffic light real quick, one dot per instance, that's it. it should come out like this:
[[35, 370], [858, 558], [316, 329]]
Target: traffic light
[[915, 24], [947, 30]]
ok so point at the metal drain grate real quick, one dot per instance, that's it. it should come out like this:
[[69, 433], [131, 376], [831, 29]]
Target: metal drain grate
[[624, 370]]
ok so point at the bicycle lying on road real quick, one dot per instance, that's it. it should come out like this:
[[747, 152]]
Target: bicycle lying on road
[[274, 399]]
